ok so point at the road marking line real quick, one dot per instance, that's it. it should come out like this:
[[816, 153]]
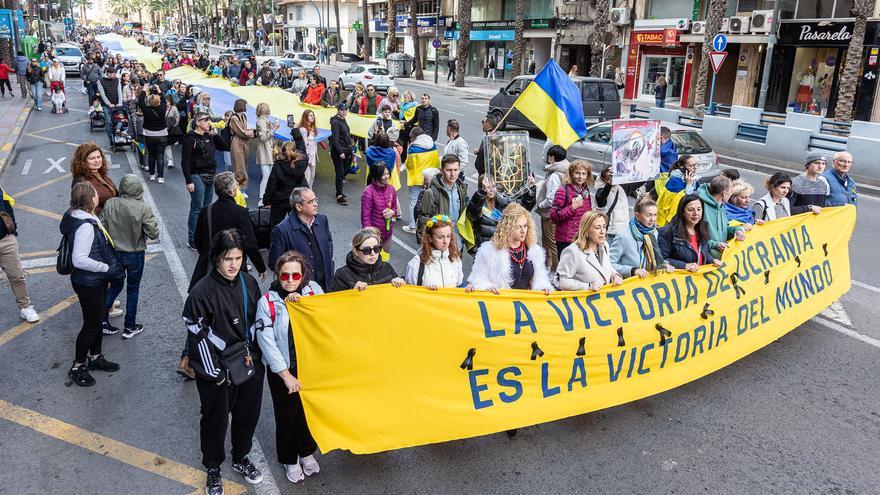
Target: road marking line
[[60, 126], [36, 253], [27, 166], [837, 327], [866, 286], [51, 140], [50, 260], [38, 211], [45, 315], [455, 113], [108, 447], [6, 147], [40, 186], [181, 279], [403, 245]]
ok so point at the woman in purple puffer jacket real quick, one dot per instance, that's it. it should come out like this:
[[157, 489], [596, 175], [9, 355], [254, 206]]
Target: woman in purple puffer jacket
[[379, 205], [571, 202]]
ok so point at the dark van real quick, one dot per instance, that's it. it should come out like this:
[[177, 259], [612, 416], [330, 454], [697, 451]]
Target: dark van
[[600, 98]]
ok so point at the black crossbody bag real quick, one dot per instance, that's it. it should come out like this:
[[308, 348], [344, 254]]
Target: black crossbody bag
[[236, 357]]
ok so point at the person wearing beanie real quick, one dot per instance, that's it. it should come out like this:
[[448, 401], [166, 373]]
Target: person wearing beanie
[[809, 190]]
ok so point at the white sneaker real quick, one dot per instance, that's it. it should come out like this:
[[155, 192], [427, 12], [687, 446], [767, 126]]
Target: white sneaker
[[29, 314], [310, 465], [170, 164], [161, 180], [294, 472], [152, 177], [409, 230], [114, 312]]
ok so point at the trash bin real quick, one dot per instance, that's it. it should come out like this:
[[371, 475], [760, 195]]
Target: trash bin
[[399, 64]]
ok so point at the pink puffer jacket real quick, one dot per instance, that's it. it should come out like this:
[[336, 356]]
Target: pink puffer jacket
[[566, 218], [374, 200]]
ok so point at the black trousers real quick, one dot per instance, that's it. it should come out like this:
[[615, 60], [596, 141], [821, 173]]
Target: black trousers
[[218, 402], [91, 301], [156, 154], [5, 82], [292, 436], [340, 165]]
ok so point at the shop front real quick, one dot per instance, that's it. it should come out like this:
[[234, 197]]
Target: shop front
[[494, 40], [807, 64], [652, 54]]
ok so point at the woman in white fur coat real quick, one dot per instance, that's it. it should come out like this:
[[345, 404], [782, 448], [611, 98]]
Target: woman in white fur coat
[[512, 259]]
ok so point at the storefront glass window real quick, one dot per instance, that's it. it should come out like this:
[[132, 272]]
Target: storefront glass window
[[664, 9], [814, 9], [487, 10], [811, 79], [786, 9], [535, 9], [842, 8]]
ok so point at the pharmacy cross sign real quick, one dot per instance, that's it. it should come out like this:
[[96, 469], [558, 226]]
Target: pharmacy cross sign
[[356, 26]]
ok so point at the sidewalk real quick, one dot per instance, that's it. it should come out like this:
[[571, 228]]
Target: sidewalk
[[13, 115]]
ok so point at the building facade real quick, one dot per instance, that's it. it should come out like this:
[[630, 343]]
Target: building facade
[[304, 21]]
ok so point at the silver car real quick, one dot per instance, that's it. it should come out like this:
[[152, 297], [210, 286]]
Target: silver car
[[70, 56], [595, 148]]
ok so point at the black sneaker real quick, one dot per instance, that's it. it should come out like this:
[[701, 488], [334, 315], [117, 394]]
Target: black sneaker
[[341, 200], [109, 329], [130, 332], [247, 469], [81, 376], [101, 364], [214, 485]]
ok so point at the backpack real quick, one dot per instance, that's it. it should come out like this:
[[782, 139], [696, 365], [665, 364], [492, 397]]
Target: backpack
[[226, 136], [542, 192], [64, 262]]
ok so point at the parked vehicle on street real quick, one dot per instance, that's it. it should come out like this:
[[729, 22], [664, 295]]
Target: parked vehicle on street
[[70, 56], [241, 53], [170, 40], [366, 74], [307, 60], [276, 63], [187, 44], [348, 57], [600, 98]]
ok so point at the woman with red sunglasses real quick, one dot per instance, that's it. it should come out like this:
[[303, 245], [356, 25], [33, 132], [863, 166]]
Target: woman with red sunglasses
[[364, 265], [294, 443]]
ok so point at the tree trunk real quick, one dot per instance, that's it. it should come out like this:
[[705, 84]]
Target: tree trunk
[[368, 44], [597, 39], [417, 48], [717, 9], [464, 41], [391, 20], [518, 41], [338, 30], [849, 78], [180, 15]]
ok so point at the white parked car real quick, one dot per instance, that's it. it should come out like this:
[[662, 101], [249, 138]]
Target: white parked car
[[366, 74], [307, 60], [70, 56]]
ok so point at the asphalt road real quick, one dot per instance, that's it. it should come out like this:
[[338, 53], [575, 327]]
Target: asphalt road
[[800, 416]]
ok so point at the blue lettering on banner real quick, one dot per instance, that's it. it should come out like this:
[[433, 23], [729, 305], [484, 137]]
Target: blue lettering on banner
[[511, 383], [477, 388], [578, 373], [567, 319], [523, 318], [487, 326], [545, 378]]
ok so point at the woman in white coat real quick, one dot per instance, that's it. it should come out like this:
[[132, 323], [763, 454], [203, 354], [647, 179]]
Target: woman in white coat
[[438, 264], [265, 142], [293, 440], [512, 259], [585, 264]]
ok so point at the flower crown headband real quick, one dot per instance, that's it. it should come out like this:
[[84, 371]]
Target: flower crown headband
[[436, 219]]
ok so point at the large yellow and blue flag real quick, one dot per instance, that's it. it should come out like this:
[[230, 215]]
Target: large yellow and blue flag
[[553, 103]]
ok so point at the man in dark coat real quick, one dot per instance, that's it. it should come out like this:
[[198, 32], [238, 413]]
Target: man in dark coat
[[308, 232]]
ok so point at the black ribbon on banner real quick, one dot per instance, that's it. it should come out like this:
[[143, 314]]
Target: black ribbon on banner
[[664, 333], [766, 277], [734, 279], [825, 249], [620, 341], [468, 363], [798, 259], [581, 350], [536, 351], [706, 312]]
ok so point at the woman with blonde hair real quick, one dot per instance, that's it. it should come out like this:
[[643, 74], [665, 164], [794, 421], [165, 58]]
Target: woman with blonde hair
[[89, 164], [265, 143], [364, 265], [586, 264], [572, 200], [512, 259], [739, 207], [438, 263], [308, 128]]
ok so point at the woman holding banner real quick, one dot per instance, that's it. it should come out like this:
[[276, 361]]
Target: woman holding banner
[[775, 203], [293, 440], [635, 251], [512, 259], [586, 264], [438, 263], [364, 265], [684, 242]]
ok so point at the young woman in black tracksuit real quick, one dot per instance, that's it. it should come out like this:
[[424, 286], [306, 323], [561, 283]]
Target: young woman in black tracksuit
[[219, 314], [155, 131], [94, 267]]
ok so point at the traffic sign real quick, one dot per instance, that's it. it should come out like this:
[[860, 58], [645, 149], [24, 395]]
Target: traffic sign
[[436, 43], [717, 58], [719, 42]]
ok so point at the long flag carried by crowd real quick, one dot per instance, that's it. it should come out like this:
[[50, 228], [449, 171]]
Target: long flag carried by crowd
[[553, 103]]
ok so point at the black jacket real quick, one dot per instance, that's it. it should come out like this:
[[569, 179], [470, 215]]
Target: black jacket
[[340, 136], [217, 305], [225, 214], [428, 119], [154, 117], [354, 271], [197, 152], [677, 251], [283, 180], [291, 233], [101, 251], [484, 226]]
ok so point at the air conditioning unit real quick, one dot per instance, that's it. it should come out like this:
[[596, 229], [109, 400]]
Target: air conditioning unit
[[739, 24], [725, 25], [762, 21], [682, 24], [698, 27], [619, 16]]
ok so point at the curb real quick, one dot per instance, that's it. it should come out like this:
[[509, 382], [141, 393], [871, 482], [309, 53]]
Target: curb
[[11, 141]]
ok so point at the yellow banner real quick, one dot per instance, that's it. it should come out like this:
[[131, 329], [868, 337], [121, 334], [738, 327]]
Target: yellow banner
[[382, 369]]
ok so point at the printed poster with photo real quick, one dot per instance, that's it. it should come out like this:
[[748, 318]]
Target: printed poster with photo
[[635, 150]]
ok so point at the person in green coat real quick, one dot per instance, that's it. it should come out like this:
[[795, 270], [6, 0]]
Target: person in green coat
[[714, 195]]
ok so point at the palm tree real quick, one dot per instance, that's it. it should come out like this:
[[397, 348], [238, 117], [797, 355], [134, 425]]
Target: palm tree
[[599, 36], [368, 45], [849, 77], [414, 27], [518, 42], [464, 41], [717, 9], [391, 19], [338, 31]]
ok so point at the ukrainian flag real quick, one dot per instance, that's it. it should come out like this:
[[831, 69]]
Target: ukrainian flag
[[417, 161], [553, 103]]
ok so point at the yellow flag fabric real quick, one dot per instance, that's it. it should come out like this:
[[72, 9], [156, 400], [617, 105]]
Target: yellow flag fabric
[[8, 198], [466, 229], [417, 161], [376, 379], [667, 201]]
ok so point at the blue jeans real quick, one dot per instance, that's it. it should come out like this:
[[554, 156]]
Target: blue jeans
[[91, 90], [37, 94], [661, 103], [198, 199], [133, 264], [413, 199]]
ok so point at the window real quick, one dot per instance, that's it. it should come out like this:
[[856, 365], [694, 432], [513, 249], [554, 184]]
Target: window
[[815, 9], [67, 51], [535, 9], [426, 7], [401, 8], [665, 9], [379, 71], [299, 12], [609, 92], [590, 91], [290, 16], [690, 143], [517, 86], [600, 134]]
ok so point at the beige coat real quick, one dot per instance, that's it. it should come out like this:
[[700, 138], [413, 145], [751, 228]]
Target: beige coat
[[265, 141], [241, 134], [577, 269]]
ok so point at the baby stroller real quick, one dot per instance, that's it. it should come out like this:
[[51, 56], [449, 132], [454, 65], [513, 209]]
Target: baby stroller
[[59, 97], [96, 116], [121, 136]]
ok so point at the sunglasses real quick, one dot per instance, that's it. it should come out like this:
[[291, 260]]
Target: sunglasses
[[366, 251], [284, 277]]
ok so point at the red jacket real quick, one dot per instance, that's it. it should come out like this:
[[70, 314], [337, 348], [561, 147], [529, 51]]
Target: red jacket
[[4, 71], [564, 216], [314, 94], [365, 100]]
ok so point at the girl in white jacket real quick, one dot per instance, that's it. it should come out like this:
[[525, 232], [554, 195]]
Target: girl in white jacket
[[439, 262], [585, 264]]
